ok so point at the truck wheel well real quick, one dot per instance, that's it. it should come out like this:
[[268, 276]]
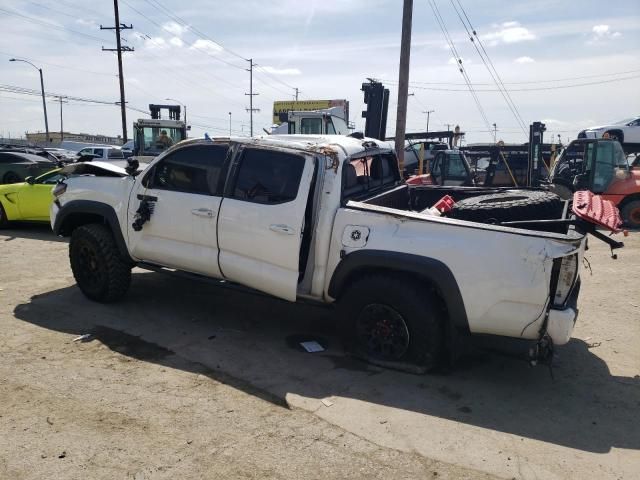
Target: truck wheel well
[[425, 270], [627, 199], [75, 220]]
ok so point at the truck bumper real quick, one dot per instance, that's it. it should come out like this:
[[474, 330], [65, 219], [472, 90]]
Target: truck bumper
[[560, 324]]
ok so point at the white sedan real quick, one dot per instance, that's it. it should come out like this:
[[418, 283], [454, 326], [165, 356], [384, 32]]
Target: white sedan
[[625, 131]]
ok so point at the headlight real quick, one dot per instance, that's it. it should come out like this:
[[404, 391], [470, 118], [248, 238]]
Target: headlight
[[567, 271]]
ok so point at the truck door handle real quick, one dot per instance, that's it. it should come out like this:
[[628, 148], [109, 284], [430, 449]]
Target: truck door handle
[[202, 212], [279, 228]]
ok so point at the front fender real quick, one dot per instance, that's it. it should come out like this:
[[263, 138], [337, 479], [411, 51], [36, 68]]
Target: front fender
[[76, 213]]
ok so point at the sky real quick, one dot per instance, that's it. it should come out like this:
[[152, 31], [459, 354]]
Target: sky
[[570, 64]]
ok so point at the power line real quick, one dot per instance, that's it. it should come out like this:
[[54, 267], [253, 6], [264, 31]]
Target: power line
[[186, 26], [484, 56], [458, 59], [51, 25], [179, 20], [65, 67], [534, 81], [534, 89]]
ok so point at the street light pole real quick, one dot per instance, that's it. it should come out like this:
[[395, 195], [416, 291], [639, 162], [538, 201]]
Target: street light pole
[[44, 103]]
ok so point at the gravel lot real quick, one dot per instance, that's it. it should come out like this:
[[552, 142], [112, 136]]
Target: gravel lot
[[191, 380]]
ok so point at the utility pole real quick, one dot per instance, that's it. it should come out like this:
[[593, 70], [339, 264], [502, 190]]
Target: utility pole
[[251, 95], [428, 112], [297, 92], [119, 48], [61, 124], [229, 124], [403, 81], [495, 133]]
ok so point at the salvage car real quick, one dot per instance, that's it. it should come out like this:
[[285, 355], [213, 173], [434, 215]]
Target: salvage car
[[16, 166], [624, 131], [328, 219], [28, 201]]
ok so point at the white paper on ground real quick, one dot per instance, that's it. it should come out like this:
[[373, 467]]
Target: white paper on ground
[[312, 346]]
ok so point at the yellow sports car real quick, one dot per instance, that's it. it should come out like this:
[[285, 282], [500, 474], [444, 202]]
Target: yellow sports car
[[28, 201]]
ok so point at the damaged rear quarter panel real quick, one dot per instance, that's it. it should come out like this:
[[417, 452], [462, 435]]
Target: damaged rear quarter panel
[[503, 274]]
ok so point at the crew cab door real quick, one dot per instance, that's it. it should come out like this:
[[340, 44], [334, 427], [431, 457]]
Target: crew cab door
[[262, 219], [184, 189]]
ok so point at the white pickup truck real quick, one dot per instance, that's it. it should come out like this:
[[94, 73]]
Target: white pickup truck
[[328, 219]]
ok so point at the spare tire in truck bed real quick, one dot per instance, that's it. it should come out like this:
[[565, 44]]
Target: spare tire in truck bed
[[509, 206]]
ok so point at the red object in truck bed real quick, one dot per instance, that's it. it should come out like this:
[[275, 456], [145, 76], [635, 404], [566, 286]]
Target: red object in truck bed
[[594, 209]]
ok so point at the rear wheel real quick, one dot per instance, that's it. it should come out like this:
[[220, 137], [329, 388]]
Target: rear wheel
[[11, 177], [391, 319], [631, 214], [99, 270]]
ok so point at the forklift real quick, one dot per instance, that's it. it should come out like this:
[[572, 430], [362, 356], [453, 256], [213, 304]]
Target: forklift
[[601, 166]]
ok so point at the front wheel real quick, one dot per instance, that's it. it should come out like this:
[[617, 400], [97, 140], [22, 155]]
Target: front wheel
[[631, 214], [391, 319], [100, 272]]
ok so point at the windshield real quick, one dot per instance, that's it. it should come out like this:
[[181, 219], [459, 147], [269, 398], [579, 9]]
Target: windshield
[[625, 121], [154, 140], [340, 126], [49, 178]]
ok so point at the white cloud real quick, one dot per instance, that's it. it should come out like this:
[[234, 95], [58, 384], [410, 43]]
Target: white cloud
[[86, 23], [176, 42], [508, 32], [602, 33], [601, 30], [155, 42], [175, 28], [279, 71], [208, 45], [524, 60]]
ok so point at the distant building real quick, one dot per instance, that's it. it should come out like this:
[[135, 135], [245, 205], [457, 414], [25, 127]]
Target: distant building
[[41, 138]]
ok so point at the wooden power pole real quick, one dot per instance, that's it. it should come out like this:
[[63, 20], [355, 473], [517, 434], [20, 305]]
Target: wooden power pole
[[403, 81], [119, 48]]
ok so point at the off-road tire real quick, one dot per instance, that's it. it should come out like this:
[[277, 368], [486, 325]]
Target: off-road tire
[[11, 177], [630, 214], [100, 272], [4, 221], [416, 305], [508, 206]]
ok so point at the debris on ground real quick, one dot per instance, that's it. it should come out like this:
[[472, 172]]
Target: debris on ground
[[326, 402], [312, 346], [87, 337]]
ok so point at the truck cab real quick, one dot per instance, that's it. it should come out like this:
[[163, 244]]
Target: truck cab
[[150, 141], [317, 122]]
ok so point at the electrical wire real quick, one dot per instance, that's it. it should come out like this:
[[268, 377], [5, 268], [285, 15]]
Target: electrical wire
[[534, 81], [52, 25], [463, 72], [486, 60], [534, 89]]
